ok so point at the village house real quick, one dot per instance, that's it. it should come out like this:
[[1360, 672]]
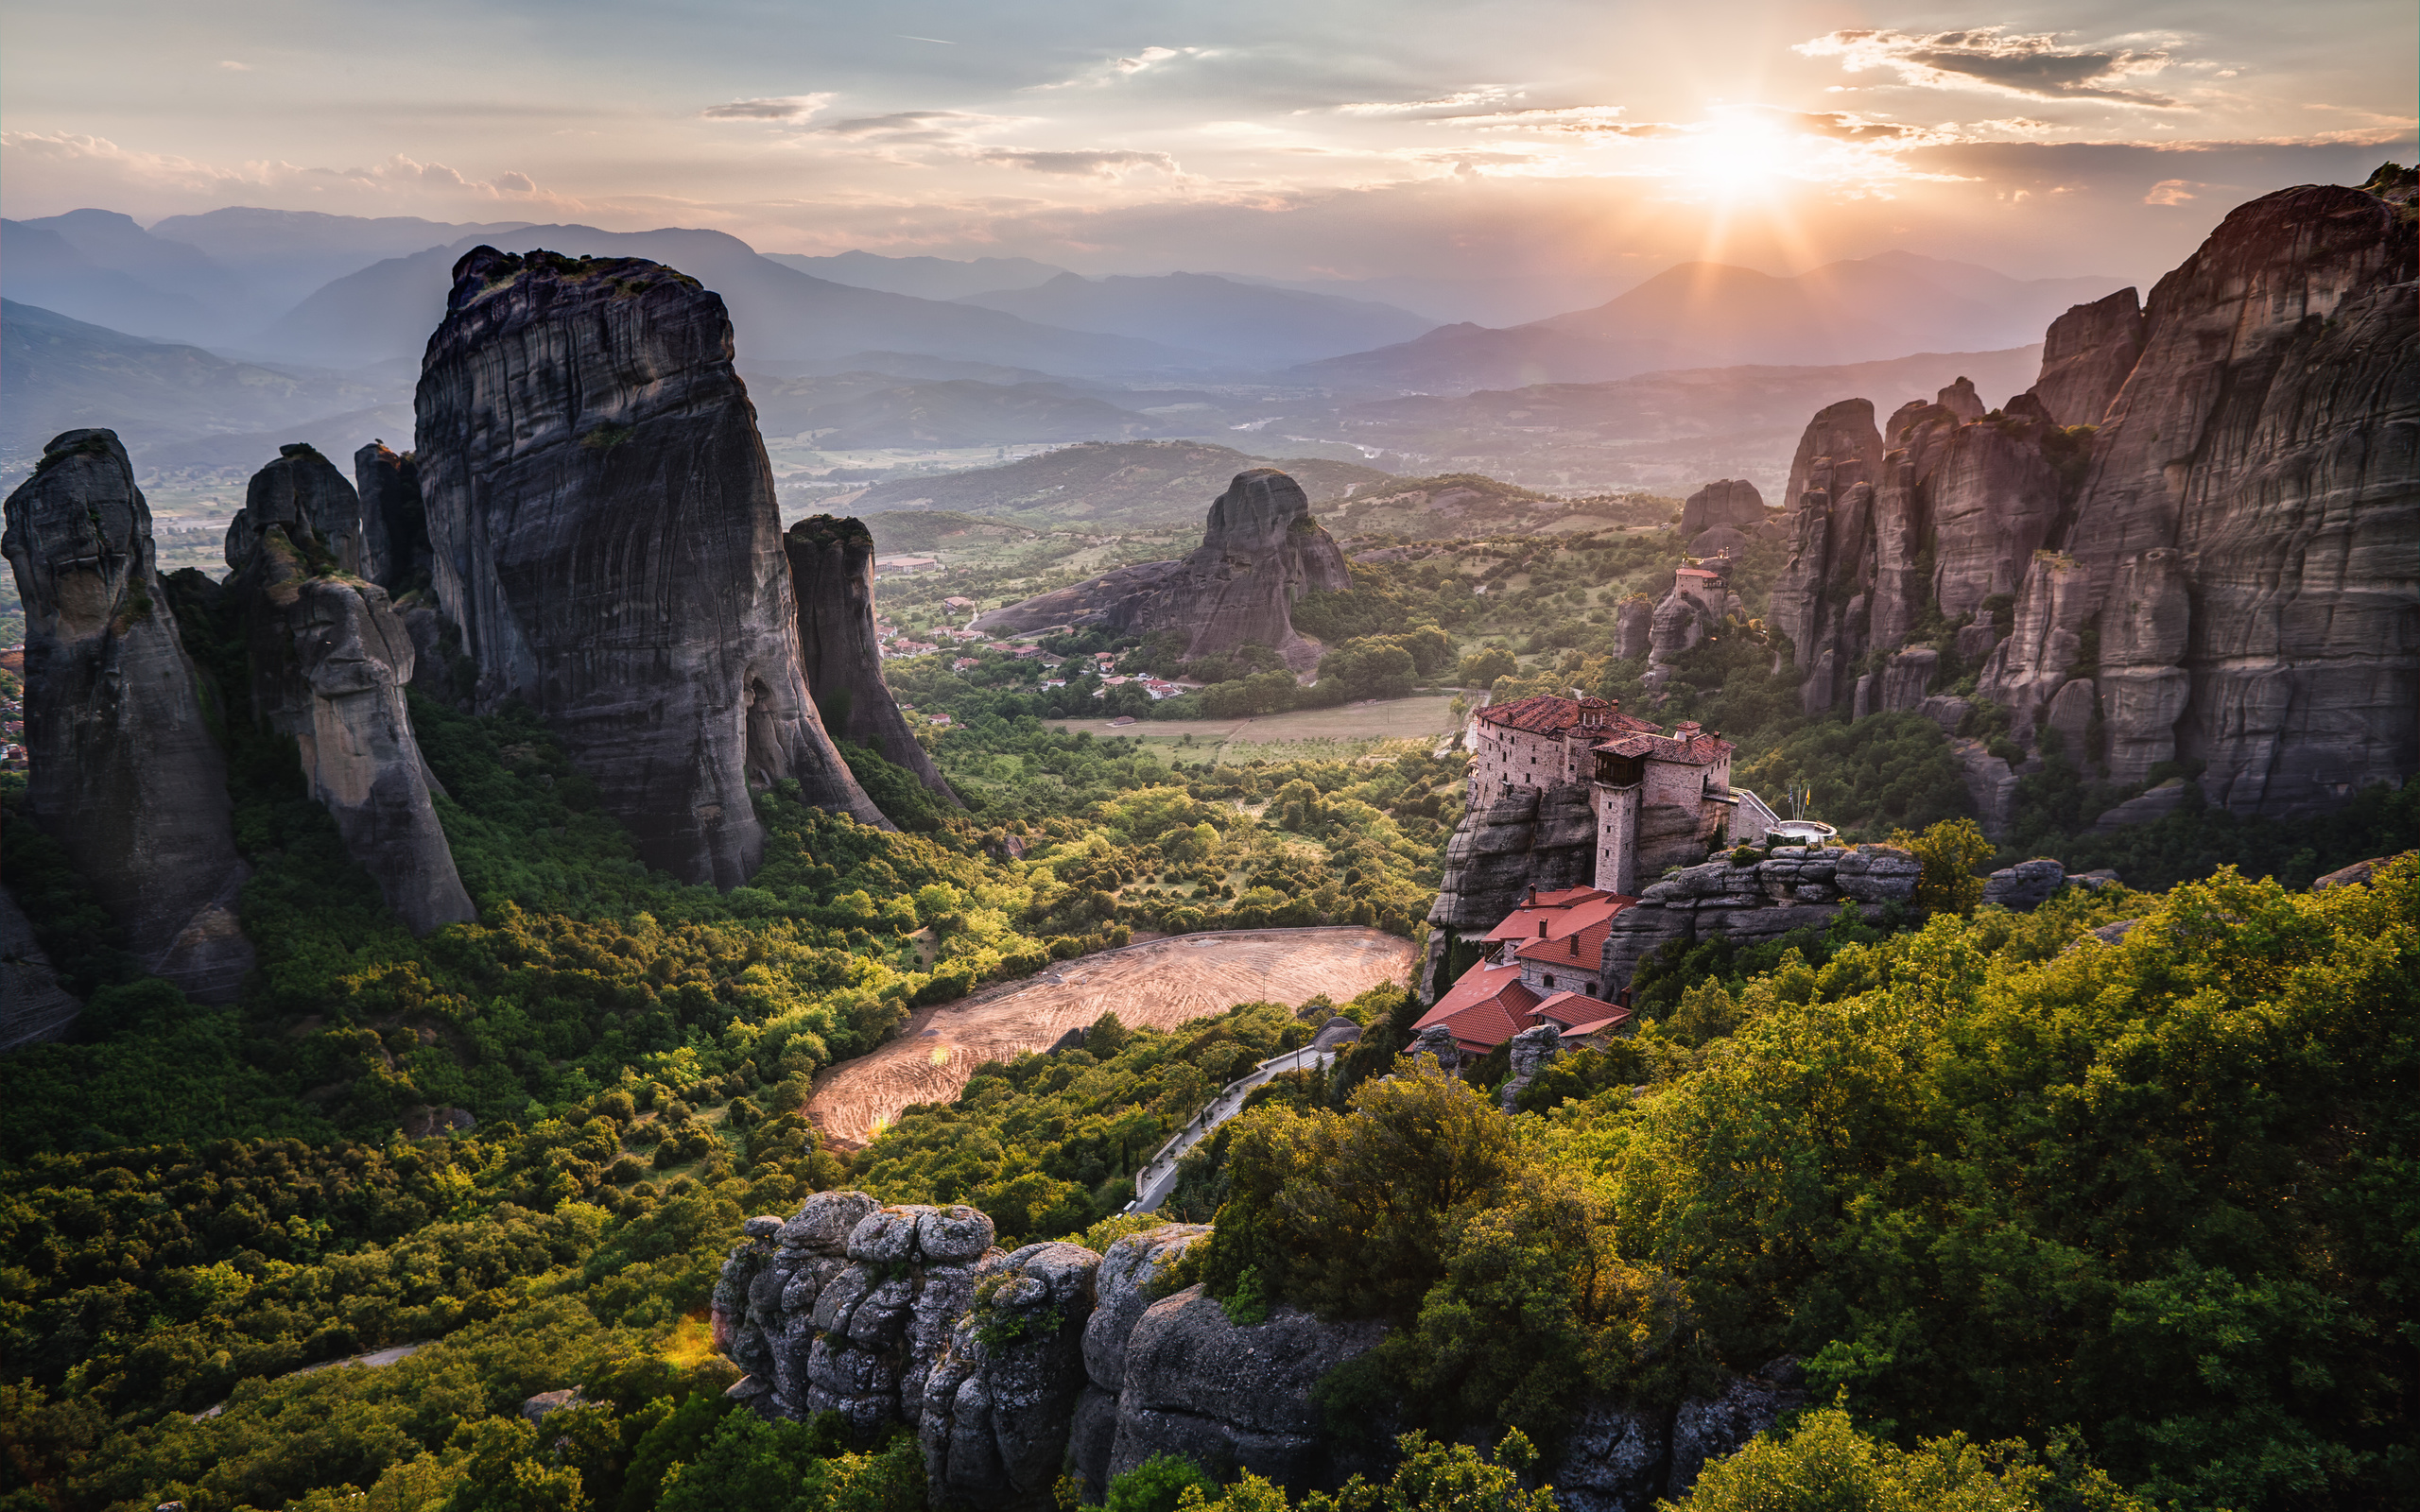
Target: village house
[[1543, 966]]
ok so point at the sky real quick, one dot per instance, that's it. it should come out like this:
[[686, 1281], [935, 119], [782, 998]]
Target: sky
[[1298, 139]]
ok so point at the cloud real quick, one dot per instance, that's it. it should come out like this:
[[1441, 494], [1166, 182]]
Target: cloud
[[1118, 68], [1459, 99], [233, 66], [908, 126], [771, 108], [1089, 163], [2030, 64], [2171, 192], [1566, 120], [102, 167]]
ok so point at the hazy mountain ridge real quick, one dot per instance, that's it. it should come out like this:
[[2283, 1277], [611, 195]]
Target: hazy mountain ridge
[[1256, 326], [1704, 314], [59, 375]]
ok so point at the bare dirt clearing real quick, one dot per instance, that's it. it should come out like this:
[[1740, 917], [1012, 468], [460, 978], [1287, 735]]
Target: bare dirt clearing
[[1158, 985]]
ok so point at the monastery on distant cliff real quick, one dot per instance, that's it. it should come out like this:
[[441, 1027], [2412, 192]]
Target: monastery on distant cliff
[[1659, 801]]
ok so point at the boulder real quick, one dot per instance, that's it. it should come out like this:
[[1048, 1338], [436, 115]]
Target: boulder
[[1612, 1459], [1991, 783], [1975, 643], [2155, 803], [1531, 1051], [1709, 1428], [605, 536], [124, 770], [1878, 874], [832, 581], [2027, 885], [2096, 880], [2356, 875], [1001, 1401], [1233, 1397]]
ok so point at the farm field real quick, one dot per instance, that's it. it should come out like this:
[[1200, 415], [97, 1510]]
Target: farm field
[[1346, 730], [1158, 985]]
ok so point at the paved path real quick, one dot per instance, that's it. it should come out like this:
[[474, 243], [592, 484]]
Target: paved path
[[1153, 1183]]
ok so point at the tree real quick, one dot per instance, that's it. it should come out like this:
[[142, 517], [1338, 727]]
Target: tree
[[1483, 666], [1824, 1464], [1949, 853]]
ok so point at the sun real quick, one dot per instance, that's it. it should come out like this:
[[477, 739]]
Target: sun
[[1741, 155]]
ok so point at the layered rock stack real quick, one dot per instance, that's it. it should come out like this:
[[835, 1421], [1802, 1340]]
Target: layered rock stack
[[848, 1306], [1260, 552], [603, 520], [832, 578], [998, 1406], [329, 662], [125, 771], [1749, 904], [2222, 575], [1015, 1369], [2247, 547]]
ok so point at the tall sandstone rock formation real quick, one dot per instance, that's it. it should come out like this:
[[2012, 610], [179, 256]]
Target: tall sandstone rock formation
[[601, 516], [394, 523], [1260, 552], [2247, 550], [832, 577], [2226, 573], [330, 660], [125, 771]]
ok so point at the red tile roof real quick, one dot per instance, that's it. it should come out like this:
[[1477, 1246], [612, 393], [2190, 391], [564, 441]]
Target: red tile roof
[[1698, 750], [1545, 908], [1574, 1014], [1581, 945], [1486, 1008], [1547, 715]]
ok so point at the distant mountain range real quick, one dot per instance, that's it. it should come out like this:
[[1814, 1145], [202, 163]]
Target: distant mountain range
[[1707, 315], [59, 375], [1253, 326], [927, 278]]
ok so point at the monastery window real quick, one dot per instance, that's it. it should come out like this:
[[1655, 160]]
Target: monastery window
[[1549, 982]]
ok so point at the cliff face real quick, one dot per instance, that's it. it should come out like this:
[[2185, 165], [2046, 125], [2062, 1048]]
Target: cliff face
[[602, 521], [2085, 357], [394, 523], [1260, 552], [329, 662], [125, 772], [2246, 553], [832, 577]]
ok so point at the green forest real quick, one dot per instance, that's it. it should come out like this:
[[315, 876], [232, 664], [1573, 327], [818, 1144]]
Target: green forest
[[2051, 1218]]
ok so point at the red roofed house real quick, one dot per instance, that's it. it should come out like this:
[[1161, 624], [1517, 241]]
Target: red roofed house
[[1546, 968]]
